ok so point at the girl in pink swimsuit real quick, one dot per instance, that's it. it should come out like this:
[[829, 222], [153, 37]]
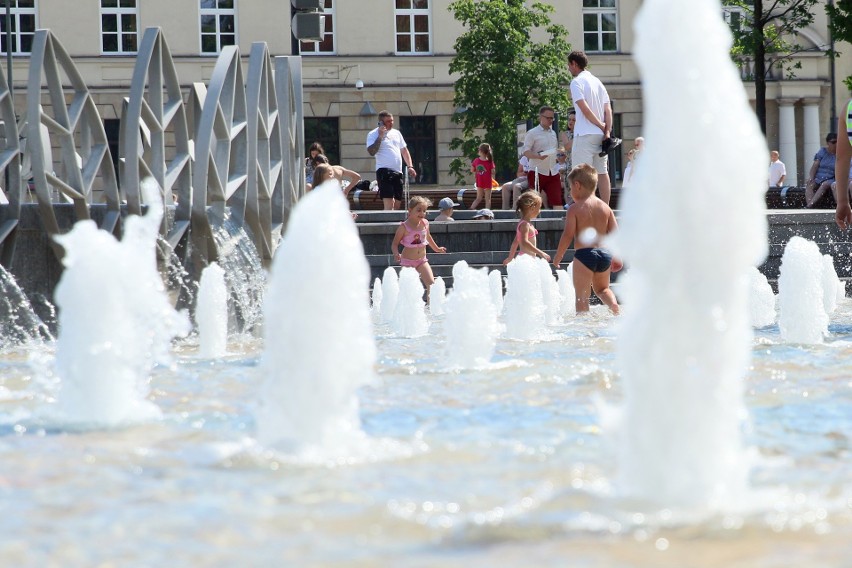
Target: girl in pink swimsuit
[[529, 206], [413, 234]]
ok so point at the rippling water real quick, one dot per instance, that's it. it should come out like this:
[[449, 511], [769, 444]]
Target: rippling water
[[507, 465]]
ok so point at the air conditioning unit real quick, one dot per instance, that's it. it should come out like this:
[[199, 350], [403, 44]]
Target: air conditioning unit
[[307, 4], [308, 26]]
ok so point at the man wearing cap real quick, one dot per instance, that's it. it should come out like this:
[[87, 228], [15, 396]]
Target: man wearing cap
[[446, 206], [483, 215], [540, 149], [391, 153], [594, 121]]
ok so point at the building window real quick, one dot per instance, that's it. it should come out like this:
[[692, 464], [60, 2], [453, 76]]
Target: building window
[[600, 25], [218, 25], [735, 17], [23, 24], [419, 134], [119, 27], [326, 46], [413, 22], [326, 131]]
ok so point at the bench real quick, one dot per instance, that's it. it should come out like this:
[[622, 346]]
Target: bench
[[360, 200]]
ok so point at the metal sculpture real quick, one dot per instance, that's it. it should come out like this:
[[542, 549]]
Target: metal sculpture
[[288, 85], [11, 188], [80, 168]]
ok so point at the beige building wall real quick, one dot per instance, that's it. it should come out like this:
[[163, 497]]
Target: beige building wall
[[418, 85]]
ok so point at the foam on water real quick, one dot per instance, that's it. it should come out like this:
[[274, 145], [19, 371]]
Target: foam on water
[[315, 305], [211, 312], [409, 317], [437, 297], [523, 309], [801, 298], [471, 321], [115, 322], [680, 439]]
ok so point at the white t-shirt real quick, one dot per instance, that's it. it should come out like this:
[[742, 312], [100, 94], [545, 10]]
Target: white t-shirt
[[776, 170], [389, 155], [587, 87]]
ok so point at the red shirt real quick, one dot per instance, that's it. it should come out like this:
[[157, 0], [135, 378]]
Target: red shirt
[[483, 169]]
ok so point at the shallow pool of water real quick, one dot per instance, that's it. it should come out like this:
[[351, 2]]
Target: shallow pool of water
[[508, 465]]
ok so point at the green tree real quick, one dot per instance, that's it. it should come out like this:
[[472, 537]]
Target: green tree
[[766, 32], [503, 75], [840, 24]]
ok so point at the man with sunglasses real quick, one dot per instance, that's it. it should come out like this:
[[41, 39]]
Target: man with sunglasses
[[540, 149], [821, 175]]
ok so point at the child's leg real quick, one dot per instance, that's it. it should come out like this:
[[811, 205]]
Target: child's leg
[[487, 198], [600, 283], [478, 199], [426, 277], [582, 277]]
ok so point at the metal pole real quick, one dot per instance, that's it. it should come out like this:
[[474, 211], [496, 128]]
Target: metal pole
[[9, 47], [833, 120]]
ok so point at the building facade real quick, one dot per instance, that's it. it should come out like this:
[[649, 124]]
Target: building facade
[[398, 52]]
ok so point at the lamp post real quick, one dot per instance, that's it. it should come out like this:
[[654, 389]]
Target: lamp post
[[9, 45], [831, 72]]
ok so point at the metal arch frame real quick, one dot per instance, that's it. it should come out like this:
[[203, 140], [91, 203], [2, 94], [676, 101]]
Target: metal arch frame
[[155, 75], [219, 177], [288, 85], [10, 175], [83, 167], [265, 160]]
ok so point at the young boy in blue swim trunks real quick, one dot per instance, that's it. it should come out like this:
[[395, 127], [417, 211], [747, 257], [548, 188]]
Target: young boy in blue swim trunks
[[587, 222]]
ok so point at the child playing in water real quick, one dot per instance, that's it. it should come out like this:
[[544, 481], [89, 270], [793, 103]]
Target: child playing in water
[[529, 206], [413, 234], [587, 221], [483, 167]]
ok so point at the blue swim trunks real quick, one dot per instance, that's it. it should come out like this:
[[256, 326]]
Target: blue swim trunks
[[595, 259]]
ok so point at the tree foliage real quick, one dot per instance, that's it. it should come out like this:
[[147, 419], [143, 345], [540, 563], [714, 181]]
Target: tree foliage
[[768, 33], [504, 75], [840, 24]]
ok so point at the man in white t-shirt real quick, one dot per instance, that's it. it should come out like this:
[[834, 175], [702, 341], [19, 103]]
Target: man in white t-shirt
[[777, 170], [390, 149], [594, 120]]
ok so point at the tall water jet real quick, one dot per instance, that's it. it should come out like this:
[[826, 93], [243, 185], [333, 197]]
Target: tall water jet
[[495, 280], [437, 297], [390, 293], [549, 293], [471, 322], [211, 312], [830, 283], [800, 293], [565, 281], [523, 309], [684, 344], [115, 321], [409, 317], [376, 300], [316, 302]]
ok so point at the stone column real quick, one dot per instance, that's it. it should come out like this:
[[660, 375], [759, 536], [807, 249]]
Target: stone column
[[813, 141], [787, 140]]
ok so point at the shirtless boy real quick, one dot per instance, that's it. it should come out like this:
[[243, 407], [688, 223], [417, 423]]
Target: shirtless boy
[[588, 220]]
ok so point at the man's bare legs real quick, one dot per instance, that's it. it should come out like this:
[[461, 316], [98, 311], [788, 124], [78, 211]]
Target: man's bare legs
[[390, 203], [604, 187]]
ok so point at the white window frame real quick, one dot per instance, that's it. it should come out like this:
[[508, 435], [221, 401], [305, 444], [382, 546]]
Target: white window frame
[[599, 12], [728, 13], [216, 12], [16, 13], [328, 13], [411, 13], [118, 12]]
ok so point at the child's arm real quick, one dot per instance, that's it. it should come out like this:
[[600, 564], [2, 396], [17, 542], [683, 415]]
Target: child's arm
[[566, 238], [400, 232], [527, 246], [353, 177], [432, 243], [512, 250]]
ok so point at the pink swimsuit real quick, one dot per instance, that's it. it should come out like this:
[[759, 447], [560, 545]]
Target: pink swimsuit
[[518, 234], [414, 238]]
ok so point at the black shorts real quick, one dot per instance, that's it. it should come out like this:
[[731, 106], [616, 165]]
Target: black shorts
[[390, 184]]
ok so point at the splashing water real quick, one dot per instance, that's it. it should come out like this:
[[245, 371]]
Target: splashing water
[[437, 297], [801, 298], [549, 293], [409, 317], [680, 439], [761, 300], [19, 323], [523, 309], [495, 280], [830, 283], [471, 322], [390, 293], [308, 397], [376, 301], [565, 281], [211, 312], [115, 322]]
